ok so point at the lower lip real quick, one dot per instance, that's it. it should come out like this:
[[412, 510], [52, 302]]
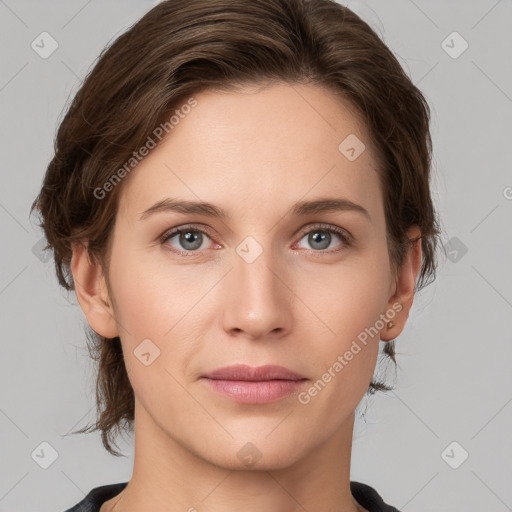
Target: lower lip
[[255, 392]]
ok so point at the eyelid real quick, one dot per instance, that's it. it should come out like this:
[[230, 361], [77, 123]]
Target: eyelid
[[327, 227], [346, 237], [183, 227]]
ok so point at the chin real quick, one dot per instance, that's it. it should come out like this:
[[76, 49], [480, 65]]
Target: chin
[[252, 453]]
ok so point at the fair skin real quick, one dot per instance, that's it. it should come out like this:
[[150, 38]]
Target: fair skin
[[300, 304]]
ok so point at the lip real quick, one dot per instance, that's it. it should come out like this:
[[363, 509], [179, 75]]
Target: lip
[[253, 373], [254, 385]]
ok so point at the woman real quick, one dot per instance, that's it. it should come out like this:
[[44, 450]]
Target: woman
[[240, 199]]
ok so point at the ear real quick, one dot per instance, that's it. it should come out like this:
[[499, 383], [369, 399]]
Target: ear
[[404, 284], [92, 293]]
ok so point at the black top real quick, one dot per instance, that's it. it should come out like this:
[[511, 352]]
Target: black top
[[365, 495]]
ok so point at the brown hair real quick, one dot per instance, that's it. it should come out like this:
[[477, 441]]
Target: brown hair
[[181, 47]]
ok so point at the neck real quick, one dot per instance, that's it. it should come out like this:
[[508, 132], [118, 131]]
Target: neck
[[168, 477]]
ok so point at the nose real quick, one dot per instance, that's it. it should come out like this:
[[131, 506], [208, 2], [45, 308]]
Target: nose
[[258, 299]]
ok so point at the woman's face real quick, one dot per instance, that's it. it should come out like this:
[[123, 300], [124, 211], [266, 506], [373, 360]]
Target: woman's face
[[268, 284]]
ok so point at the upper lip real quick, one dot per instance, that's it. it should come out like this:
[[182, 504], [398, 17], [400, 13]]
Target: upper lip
[[253, 373]]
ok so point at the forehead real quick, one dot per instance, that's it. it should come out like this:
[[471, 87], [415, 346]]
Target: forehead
[[275, 143]]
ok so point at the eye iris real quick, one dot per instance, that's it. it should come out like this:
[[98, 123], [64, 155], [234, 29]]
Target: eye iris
[[190, 237], [319, 239], [323, 236]]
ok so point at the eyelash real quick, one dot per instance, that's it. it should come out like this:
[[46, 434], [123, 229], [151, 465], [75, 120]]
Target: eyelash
[[344, 236]]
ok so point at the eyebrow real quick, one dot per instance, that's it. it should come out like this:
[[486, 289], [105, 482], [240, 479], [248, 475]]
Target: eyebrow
[[301, 208]]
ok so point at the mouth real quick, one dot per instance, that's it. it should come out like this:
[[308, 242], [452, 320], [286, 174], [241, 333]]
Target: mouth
[[254, 385]]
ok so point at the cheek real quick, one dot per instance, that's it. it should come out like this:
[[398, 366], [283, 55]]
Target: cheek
[[350, 297], [345, 350], [161, 303], [137, 299], [149, 298], [347, 303], [149, 306]]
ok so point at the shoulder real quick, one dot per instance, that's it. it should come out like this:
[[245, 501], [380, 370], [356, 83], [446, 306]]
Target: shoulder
[[369, 498], [364, 494], [96, 497]]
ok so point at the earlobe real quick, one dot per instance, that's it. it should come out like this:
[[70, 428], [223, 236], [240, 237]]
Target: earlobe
[[92, 292], [405, 286]]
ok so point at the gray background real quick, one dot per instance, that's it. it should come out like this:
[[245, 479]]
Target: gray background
[[453, 382]]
